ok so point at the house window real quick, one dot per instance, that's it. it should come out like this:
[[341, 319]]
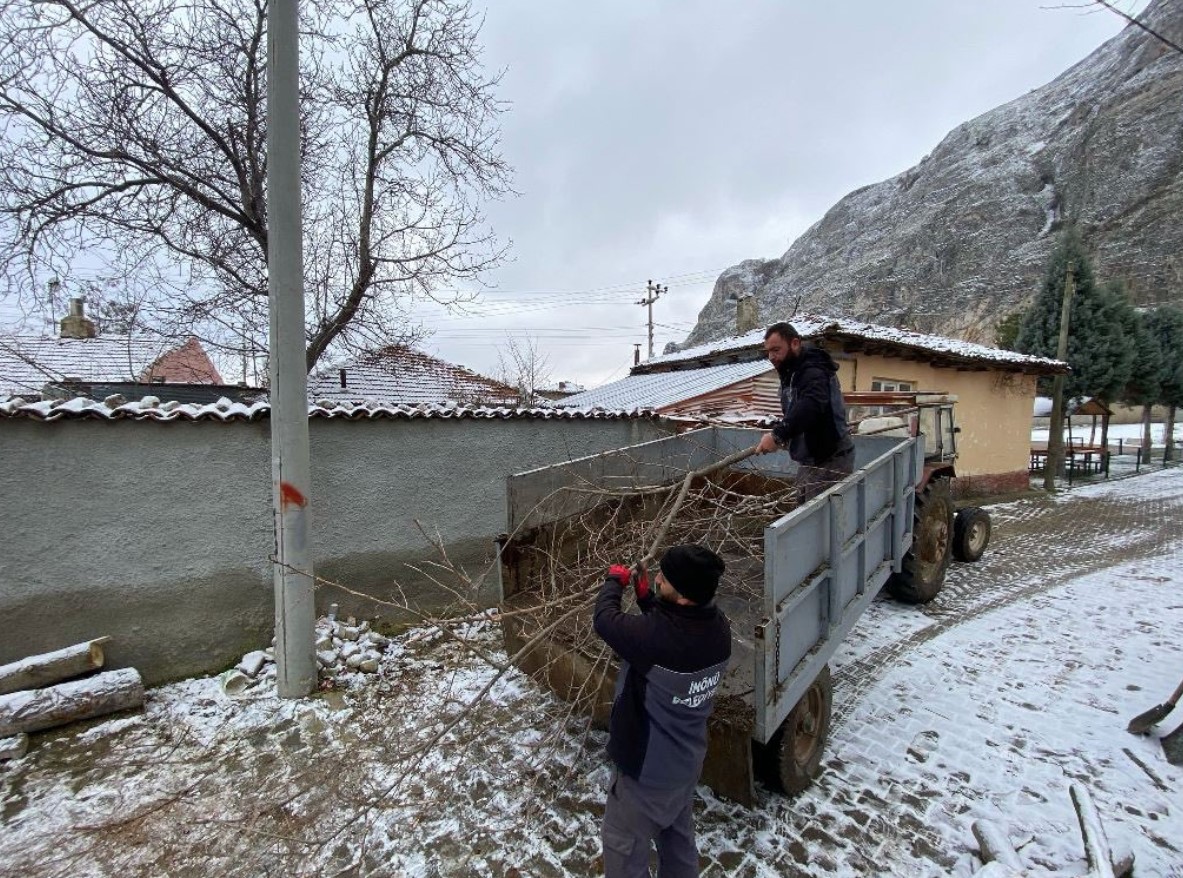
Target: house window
[[891, 384], [888, 385]]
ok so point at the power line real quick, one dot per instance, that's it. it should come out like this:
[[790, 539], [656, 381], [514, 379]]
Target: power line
[[580, 330], [531, 295]]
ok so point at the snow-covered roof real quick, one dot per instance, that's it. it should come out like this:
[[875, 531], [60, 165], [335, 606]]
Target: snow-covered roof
[[401, 375], [28, 363], [814, 327], [657, 389], [1077, 406], [152, 409]]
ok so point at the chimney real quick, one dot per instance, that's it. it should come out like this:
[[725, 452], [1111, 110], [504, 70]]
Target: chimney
[[636, 354], [747, 314], [76, 324]]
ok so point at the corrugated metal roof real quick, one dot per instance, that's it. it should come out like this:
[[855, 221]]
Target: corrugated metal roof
[[400, 375], [656, 390], [816, 326], [27, 363], [152, 409]]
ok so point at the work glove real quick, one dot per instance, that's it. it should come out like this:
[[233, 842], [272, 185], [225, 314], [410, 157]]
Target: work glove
[[624, 575]]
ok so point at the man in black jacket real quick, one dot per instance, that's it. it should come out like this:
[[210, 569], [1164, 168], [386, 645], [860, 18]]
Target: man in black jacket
[[673, 656], [814, 427]]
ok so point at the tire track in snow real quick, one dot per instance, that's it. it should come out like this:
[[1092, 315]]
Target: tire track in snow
[[1038, 547]]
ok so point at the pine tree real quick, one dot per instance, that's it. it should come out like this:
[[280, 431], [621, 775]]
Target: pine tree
[[1099, 353], [1166, 324], [1145, 382], [1006, 330]]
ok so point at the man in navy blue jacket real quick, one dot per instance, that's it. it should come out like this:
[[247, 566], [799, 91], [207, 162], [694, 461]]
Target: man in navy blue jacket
[[673, 656], [814, 427]]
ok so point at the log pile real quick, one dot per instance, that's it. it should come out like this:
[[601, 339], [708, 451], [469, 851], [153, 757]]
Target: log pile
[[37, 693], [1103, 859]]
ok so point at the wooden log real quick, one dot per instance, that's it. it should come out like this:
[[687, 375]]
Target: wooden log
[[14, 747], [995, 845], [108, 692], [41, 670], [1123, 859], [1096, 845]]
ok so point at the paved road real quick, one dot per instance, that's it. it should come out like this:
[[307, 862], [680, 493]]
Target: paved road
[[987, 703], [1038, 545]]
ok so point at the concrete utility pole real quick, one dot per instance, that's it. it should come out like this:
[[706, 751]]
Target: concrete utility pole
[[1055, 433], [295, 612], [654, 293]]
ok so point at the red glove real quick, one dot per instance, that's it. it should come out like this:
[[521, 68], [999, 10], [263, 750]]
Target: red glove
[[641, 582], [624, 575], [620, 573]]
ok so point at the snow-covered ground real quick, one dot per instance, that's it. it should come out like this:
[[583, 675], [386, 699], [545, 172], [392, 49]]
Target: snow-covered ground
[[1125, 432], [1017, 681]]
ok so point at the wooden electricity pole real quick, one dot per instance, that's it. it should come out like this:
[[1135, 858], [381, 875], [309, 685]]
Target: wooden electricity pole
[[1055, 433]]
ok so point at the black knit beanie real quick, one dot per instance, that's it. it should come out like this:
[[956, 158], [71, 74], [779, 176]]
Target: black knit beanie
[[693, 571]]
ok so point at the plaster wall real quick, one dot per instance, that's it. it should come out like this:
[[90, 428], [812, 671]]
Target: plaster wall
[[159, 534], [993, 408]]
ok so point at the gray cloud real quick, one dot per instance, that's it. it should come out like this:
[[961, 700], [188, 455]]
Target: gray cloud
[[660, 139]]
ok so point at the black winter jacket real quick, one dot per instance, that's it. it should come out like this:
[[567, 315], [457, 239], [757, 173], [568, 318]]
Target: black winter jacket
[[673, 659], [814, 425]]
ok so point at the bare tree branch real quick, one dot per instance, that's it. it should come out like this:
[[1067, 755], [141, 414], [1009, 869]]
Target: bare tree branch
[[137, 129], [1134, 21]]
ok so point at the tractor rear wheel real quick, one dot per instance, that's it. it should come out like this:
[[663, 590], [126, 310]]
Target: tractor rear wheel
[[924, 566], [796, 749]]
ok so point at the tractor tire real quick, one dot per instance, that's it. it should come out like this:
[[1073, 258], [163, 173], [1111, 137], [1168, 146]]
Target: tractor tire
[[971, 533], [795, 751], [924, 566]]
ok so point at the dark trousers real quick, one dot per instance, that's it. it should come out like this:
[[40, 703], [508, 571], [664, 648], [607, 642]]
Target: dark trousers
[[813, 479], [637, 816]]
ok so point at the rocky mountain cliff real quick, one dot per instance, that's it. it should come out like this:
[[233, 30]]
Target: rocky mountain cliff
[[960, 240]]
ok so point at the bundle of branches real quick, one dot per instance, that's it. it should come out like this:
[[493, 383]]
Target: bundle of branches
[[560, 566]]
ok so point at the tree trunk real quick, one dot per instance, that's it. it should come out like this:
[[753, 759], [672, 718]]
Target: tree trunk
[[1147, 419], [40, 670], [1168, 435], [1105, 444], [32, 711]]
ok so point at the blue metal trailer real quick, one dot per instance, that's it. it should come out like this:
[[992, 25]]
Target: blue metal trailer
[[824, 562]]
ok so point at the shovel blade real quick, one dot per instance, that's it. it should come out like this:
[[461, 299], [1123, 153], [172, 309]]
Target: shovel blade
[[1172, 746], [1141, 724]]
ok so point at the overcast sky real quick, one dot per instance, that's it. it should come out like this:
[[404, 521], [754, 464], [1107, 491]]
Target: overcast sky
[[670, 140]]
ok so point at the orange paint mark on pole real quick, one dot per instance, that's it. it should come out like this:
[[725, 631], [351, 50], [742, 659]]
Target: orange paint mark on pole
[[289, 495]]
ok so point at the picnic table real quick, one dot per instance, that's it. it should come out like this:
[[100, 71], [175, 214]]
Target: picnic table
[[1079, 457]]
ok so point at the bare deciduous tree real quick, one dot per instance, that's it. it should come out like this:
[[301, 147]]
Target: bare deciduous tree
[[523, 365], [137, 128]]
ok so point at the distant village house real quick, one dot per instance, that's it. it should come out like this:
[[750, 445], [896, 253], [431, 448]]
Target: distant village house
[[732, 379], [80, 362]]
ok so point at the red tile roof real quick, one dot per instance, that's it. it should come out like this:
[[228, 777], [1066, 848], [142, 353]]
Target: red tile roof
[[28, 363], [152, 409]]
